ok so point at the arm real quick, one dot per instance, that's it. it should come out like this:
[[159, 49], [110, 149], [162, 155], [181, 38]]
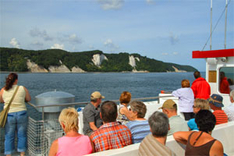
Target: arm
[[216, 149], [125, 112], [54, 148], [182, 137], [27, 96], [92, 126], [92, 144], [1, 92], [176, 93]]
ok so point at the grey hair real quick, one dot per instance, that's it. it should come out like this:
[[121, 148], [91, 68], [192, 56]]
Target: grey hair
[[232, 94], [139, 107], [159, 124]]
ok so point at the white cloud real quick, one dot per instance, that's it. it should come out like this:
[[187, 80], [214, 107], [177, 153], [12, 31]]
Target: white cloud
[[40, 33], [109, 44], [150, 1], [72, 39], [164, 53], [173, 38], [57, 46], [14, 43], [175, 53], [111, 4]]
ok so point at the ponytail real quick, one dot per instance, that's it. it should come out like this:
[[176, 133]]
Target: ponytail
[[12, 77]]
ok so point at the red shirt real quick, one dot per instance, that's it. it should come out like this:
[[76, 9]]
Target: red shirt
[[201, 88], [220, 116], [224, 86], [111, 136]]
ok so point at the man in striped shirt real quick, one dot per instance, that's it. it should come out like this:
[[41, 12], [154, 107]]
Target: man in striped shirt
[[216, 105], [111, 134], [139, 126]]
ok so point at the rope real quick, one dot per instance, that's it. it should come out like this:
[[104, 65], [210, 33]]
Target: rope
[[216, 25]]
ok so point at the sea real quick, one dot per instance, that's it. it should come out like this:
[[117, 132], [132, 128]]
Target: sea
[[110, 85]]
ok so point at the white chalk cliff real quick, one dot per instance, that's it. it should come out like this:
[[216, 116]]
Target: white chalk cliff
[[132, 60], [97, 59], [33, 67], [77, 69]]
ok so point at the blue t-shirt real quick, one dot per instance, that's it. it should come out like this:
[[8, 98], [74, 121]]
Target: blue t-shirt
[[139, 129], [192, 125]]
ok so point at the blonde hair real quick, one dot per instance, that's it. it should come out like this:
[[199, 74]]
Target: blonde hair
[[125, 97], [69, 117], [185, 83], [202, 104]]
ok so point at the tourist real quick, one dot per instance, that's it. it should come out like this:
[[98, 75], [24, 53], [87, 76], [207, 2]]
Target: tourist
[[91, 114], [123, 113], [139, 126], [111, 134], [224, 85], [176, 123], [186, 99], [200, 87], [199, 104], [72, 143], [17, 118], [216, 105], [201, 142], [154, 144], [230, 109]]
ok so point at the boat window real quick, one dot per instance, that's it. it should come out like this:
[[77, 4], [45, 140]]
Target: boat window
[[226, 80]]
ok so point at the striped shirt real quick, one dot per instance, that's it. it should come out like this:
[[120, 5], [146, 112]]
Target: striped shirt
[[111, 136], [220, 116], [139, 129]]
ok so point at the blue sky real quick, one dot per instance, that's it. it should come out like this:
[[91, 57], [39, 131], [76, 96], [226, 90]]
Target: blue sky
[[166, 30]]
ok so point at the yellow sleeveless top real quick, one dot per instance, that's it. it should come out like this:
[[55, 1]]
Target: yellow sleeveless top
[[18, 103]]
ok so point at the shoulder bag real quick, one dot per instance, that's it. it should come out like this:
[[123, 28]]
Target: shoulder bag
[[4, 112]]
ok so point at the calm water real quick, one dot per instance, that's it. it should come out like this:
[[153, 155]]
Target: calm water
[[111, 85]]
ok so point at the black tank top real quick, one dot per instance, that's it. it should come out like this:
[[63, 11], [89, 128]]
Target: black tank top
[[203, 150]]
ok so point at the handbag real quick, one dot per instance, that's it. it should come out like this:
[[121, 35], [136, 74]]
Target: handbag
[[4, 112]]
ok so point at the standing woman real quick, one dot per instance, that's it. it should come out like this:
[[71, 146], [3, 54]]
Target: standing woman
[[17, 118]]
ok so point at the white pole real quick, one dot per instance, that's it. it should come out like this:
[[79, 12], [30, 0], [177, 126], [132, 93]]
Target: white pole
[[225, 26], [211, 25]]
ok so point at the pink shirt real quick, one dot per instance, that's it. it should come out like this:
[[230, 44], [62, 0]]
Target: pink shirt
[[74, 146]]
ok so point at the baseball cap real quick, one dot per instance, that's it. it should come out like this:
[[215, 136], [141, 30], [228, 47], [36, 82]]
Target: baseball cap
[[96, 95], [168, 104]]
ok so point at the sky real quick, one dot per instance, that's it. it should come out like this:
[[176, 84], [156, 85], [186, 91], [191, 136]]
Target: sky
[[166, 30]]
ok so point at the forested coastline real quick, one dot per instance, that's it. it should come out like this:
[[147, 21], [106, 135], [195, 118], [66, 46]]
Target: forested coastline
[[12, 59]]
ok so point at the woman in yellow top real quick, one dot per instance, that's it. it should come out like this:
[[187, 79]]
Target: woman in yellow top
[[17, 118]]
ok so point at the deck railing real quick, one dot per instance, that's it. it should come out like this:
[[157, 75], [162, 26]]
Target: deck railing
[[41, 133]]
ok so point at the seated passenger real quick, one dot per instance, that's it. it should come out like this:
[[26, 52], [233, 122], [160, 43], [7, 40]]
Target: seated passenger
[[72, 143], [199, 104], [123, 113], [139, 126], [186, 99], [175, 121], [154, 144], [216, 105], [91, 114], [201, 142], [111, 134], [230, 109]]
